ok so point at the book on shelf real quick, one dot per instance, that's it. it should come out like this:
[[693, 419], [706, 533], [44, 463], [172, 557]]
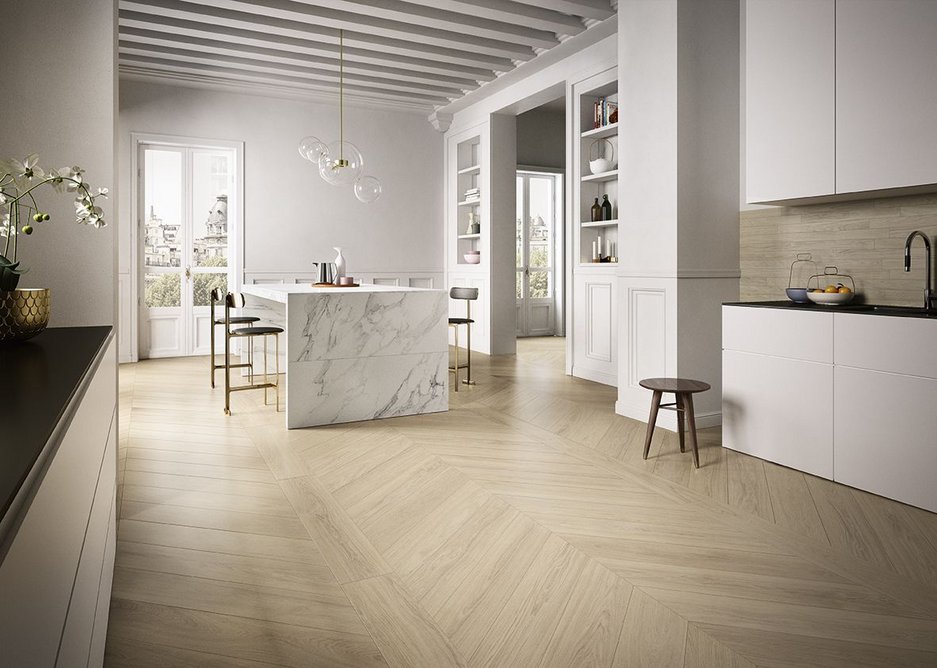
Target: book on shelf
[[605, 113]]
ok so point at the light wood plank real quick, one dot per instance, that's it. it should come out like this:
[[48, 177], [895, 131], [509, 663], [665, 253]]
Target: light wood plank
[[404, 632], [652, 634], [348, 552]]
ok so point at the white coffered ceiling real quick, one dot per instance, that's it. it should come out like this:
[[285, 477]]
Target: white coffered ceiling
[[419, 54]]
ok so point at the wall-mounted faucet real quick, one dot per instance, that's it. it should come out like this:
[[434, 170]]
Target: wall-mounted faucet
[[928, 290]]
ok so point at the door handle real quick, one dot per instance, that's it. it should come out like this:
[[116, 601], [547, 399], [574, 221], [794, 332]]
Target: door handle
[[188, 273]]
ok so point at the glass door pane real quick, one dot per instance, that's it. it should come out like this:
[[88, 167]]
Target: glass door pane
[[540, 236], [164, 236]]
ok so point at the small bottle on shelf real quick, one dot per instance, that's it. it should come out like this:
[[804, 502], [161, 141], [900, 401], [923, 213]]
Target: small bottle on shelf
[[596, 211], [606, 208]]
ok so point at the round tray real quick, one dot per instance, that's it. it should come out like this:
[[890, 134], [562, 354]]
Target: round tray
[[334, 285]]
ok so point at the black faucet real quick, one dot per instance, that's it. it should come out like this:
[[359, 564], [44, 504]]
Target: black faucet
[[928, 291]]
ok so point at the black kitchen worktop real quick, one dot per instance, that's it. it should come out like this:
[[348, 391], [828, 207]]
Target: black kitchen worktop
[[37, 380], [862, 309]]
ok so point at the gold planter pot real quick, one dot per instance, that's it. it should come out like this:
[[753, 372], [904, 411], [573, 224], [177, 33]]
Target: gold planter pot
[[23, 313]]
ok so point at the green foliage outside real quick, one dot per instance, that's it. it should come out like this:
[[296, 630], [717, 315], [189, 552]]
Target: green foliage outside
[[165, 290]]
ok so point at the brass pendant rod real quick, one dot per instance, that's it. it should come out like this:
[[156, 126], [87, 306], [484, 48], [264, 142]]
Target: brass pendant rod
[[341, 95]]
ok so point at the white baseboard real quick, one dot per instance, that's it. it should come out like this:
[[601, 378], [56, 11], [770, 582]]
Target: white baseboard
[[595, 376]]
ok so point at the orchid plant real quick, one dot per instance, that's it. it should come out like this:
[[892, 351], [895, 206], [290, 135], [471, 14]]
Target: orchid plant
[[20, 210]]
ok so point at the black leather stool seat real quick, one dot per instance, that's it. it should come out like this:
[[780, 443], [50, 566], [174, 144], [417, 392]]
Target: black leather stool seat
[[239, 320], [256, 331], [460, 321]]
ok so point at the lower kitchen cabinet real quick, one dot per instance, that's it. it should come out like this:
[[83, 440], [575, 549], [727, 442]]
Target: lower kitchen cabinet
[[779, 409], [853, 402], [886, 433]]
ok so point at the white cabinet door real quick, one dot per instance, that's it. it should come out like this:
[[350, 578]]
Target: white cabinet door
[[880, 343], [885, 435], [779, 409], [595, 328], [886, 94], [789, 99], [801, 335]]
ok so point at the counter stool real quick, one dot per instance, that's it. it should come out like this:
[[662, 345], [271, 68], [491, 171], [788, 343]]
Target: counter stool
[[469, 295], [217, 296], [683, 390], [235, 300]]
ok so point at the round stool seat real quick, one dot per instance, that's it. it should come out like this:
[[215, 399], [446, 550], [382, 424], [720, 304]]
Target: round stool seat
[[674, 385], [239, 320], [460, 321], [256, 331]]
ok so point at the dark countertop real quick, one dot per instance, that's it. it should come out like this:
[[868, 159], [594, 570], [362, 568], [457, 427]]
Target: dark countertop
[[38, 379], [862, 309]]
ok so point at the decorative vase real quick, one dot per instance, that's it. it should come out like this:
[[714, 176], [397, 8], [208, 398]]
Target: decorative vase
[[598, 162], [339, 264], [23, 313]]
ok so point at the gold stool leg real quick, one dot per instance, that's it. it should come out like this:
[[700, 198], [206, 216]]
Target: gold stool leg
[[276, 364], [456, 358], [227, 373], [211, 360], [265, 370], [468, 354]]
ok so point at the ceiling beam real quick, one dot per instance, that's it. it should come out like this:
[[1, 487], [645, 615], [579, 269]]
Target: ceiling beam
[[436, 18], [144, 53], [232, 74], [173, 27], [299, 30], [590, 9], [140, 39], [512, 12], [362, 23]]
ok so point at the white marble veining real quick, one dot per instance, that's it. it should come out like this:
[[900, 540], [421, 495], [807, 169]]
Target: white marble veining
[[366, 388], [358, 353], [367, 324]]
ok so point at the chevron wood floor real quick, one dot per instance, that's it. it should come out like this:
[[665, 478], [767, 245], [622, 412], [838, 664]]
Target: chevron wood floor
[[521, 528]]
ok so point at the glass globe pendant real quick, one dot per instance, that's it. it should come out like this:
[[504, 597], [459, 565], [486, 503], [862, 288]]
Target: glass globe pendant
[[311, 148], [367, 189], [341, 164]]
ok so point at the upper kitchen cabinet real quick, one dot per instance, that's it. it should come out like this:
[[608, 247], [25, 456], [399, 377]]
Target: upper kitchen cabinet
[[886, 94], [789, 99], [840, 98]]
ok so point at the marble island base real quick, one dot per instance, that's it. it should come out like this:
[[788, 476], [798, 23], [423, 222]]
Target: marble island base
[[356, 354]]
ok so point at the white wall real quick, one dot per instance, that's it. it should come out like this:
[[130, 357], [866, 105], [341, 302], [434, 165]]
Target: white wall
[[541, 138], [293, 217], [59, 101]]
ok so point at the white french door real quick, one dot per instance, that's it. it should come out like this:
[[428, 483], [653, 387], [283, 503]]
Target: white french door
[[538, 205], [188, 223]]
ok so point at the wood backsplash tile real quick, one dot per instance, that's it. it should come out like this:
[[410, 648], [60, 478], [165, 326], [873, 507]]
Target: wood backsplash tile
[[862, 238]]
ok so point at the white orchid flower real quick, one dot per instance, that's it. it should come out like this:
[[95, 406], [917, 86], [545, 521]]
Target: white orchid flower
[[27, 169]]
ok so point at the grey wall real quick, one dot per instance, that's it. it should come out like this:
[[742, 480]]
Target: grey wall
[[59, 101], [292, 216], [541, 138]]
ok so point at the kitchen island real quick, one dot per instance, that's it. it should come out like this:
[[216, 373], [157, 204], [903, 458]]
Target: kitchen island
[[358, 353]]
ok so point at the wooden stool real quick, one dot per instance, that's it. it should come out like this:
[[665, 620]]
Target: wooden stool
[[683, 390]]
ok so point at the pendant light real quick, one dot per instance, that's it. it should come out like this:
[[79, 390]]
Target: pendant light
[[340, 162]]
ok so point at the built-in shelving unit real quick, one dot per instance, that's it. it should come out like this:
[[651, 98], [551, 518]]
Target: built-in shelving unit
[[469, 200], [597, 142], [593, 346]]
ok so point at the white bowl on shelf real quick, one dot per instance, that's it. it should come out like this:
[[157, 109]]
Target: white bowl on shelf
[[831, 298], [473, 258], [600, 165]]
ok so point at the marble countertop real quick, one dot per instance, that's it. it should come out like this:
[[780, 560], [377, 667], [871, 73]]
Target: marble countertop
[[280, 292]]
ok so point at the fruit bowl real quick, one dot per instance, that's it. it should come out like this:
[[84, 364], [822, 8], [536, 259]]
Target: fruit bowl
[[831, 298]]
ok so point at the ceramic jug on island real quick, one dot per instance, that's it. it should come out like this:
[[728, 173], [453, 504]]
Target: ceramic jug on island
[[339, 264]]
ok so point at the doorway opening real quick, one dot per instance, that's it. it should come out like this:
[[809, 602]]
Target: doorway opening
[[188, 199], [541, 216], [539, 208]]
